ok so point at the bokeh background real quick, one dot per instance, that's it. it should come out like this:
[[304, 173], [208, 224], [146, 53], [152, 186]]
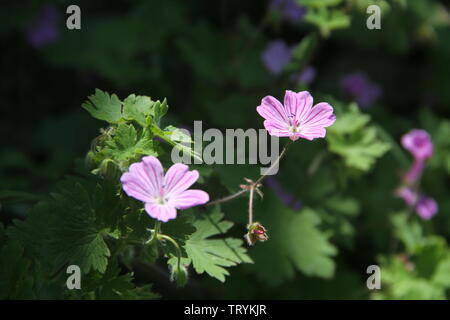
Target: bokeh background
[[214, 61]]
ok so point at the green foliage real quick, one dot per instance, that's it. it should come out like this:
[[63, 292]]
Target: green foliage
[[423, 274], [356, 141], [326, 15], [104, 107], [209, 66], [212, 255], [299, 245], [125, 146], [70, 227]]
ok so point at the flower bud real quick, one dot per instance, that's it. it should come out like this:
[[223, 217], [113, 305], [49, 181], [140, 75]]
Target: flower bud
[[256, 232], [179, 275]]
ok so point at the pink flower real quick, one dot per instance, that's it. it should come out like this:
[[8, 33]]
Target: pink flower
[[162, 194], [418, 142], [297, 118], [425, 206]]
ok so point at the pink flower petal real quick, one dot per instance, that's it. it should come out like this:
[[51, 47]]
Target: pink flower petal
[[149, 174], [143, 179], [161, 212], [136, 187], [189, 198], [272, 109], [321, 115], [276, 129], [313, 133], [174, 174], [179, 179], [298, 105]]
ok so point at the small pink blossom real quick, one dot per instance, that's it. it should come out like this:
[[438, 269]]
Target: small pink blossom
[[408, 195], [425, 206], [297, 118], [419, 143], [162, 194]]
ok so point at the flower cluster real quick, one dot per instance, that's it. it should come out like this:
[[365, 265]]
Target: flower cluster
[[419, 144], [164, 194]]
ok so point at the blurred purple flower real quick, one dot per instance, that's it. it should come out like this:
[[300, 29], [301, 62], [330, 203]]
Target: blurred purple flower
[[408, 195], [44, 29], [287, 198], [360, 88], [289, 9], [419, 143], [276, 56], [306, 76], [424, 206]]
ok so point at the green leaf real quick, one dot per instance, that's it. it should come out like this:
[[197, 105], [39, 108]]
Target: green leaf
[[126, 145], [103, 106], [178, 139], [138, 108], [408, 232], [160, 109], [299, 245], [420, 275], [356, 142], [70, 227], [213, 255]]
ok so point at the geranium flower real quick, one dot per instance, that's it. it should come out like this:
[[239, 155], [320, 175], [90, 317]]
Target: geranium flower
[[297, 118], [418, 142], [425, 206], [162, 194], [360, 88], [276, 56]]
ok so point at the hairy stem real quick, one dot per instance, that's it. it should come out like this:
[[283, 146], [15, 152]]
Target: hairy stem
[[175, 244], [250, 205]]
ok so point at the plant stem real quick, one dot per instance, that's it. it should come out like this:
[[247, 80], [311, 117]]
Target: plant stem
[[155, 232], [250, 205], [254, 184], [175, 244]]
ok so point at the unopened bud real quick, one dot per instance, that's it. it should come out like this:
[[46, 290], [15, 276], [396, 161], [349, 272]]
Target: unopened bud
[[256, 232], [179, 274]]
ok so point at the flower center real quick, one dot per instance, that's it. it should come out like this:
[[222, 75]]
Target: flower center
[[294, 128], [161, 199]]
